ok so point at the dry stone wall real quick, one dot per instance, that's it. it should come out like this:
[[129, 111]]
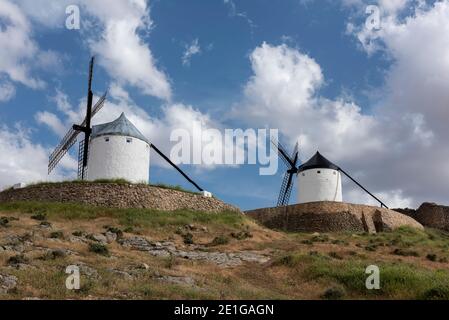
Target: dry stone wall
[[332, 217], [117, 196]]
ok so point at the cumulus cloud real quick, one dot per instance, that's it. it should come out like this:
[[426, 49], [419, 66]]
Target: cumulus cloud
[[18, 47], [386, 150], [121, 50], [282, 94], [24, 161], [113, 31], [416, 100]]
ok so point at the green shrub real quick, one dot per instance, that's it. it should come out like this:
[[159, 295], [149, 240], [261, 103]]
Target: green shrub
[[335, 255], [4, 222], [219, 241], [405, 253], [57, 235], [334, 294], [39, 217], [188, 238], [54, 254], [436, 293], [18, 259], [99, 248], [242, 235], [115, 230], [431, 257]]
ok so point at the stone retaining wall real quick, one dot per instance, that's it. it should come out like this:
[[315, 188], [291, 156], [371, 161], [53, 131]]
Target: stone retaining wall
[[331, 217], [117, 196]]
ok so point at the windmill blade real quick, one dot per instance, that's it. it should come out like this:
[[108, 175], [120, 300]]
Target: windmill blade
[[295, 154], [100, 103], [282, 153], [286, 189], [67, 142], [283, 190], [288, 192], [295, 151], [363, 188], [176, 167]]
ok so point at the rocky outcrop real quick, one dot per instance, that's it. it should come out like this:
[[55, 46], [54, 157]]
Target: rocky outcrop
[[196, 253], [117, 196], [433, 216], [332, 217]]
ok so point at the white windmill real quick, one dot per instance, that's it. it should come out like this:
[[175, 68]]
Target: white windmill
[[113, 150], [318, 179]]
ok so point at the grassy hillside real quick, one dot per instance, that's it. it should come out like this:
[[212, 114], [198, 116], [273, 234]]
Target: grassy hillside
[[146, 254]]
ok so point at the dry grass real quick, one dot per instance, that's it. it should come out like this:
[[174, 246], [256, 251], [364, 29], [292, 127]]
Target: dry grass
[[302, 266]]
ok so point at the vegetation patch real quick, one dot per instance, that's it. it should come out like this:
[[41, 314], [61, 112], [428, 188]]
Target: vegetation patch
[[335, 293], [99, 248], [187, 238], [405, 253], [18, 259], [219, 241], [242, 235], [57, 235], [4, 222], [147, 218]]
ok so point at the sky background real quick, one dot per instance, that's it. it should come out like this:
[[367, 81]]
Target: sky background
[[374, 101]]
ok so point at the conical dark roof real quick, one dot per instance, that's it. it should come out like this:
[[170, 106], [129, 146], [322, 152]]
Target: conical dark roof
[[119, 127], [317, 161]]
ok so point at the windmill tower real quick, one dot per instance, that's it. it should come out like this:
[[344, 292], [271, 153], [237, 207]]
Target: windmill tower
[[118, 150], [318, 179]]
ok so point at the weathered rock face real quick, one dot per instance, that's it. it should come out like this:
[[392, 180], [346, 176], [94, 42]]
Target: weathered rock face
[[117, 196], [332, 217], [167, 249], [433, 215]]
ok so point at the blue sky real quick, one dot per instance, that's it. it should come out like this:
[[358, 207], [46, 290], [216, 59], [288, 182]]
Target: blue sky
[[339, 92]]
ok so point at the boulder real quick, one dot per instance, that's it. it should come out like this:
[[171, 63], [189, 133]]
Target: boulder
[[7, 283], [433, 216], [329, 216]]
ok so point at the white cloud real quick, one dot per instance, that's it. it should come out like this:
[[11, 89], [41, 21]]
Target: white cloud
[[121, 48], [376, 149], [113, 31], [157, 129], [18, 49], [282, 94], [413, 36], [24, 161], [190, 50], [7, 91], [52, 121]]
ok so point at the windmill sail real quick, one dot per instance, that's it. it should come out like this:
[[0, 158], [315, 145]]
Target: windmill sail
[[71, 137], [64, 146], [287, 182], [176, 167]]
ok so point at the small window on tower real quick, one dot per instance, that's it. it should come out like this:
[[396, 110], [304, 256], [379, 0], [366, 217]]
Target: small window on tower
[[335, 173], [106, 139], [129, 140], [303, 174], [318, 172]]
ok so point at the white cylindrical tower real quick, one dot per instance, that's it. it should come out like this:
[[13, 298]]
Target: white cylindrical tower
[[319, 180], [118, 151]]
